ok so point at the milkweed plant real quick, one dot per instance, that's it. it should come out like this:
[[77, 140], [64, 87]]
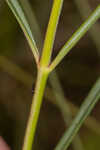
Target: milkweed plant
[[45, 66]]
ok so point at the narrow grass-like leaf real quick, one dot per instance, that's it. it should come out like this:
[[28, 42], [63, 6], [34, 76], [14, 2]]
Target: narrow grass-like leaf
[[85, 110], [33, 22], [76, 37], [85, 9], [64, 108], [19, 13]]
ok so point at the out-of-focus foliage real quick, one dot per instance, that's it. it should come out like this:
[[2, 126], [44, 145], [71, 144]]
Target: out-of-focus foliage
[[77, 72]]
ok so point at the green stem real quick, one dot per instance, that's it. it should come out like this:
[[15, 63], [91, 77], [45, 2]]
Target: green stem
[[35, 108], [76, 37], [27, 79], [85, 110], [50, 35]]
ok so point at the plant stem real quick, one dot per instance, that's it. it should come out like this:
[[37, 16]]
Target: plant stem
[[26, 78], [76, 37], [50, 35], [43, 73], [35, 108], [85, 110]]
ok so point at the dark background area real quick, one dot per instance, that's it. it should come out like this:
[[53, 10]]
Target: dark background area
[[77, 72]]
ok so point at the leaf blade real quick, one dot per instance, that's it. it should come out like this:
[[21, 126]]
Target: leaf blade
[[76, 37], [19, 13], [86, 108]]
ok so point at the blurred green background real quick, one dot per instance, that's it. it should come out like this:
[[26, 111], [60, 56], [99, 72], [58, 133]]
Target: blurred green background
[[77, 73]]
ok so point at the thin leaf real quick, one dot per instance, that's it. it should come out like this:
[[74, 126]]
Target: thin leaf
[[85, 110], [64, 107], [76, 37], [19, 13], [85, 9], [33, 22]]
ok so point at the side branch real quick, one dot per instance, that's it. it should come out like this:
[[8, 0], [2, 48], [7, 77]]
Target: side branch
[[76, 37]]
